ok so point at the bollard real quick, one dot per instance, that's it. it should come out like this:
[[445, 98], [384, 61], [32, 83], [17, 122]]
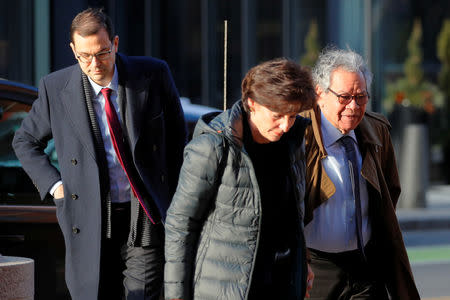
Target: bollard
[[414, 166], [16, 278]]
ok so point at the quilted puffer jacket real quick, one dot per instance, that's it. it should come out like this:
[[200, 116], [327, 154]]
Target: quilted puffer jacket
[[213, 223]]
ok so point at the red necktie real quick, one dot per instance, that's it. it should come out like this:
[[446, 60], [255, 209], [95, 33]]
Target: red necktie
[[119, 146]]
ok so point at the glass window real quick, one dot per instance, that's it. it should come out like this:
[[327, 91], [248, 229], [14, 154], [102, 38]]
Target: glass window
[[406, 70], [16, 40], [15, 186]]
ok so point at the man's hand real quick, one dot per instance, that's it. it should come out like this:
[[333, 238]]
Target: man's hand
[[309, 281], [59, 192]]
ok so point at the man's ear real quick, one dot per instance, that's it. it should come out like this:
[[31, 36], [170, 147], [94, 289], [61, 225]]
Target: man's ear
[[319, 90], [72, 46], [116, 43], [251, 104]]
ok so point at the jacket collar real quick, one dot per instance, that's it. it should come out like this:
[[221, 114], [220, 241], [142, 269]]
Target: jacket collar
[[315, 117], [230, 124], [133, 95], [72, 97], [365, 131]]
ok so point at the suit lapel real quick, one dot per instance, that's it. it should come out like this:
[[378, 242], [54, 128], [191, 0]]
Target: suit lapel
[[369, 145], [133, 94], [72, 97]]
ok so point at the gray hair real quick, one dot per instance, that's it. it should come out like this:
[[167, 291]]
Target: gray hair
[[331, 59]]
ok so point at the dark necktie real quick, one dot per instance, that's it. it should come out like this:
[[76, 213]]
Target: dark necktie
[[350, 154], [119, 146]]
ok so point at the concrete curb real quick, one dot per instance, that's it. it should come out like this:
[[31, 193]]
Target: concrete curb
[[435, 216], [16, 278], [423, 219]]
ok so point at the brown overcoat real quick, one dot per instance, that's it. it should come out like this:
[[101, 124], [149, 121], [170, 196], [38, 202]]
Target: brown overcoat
[[379, 168]]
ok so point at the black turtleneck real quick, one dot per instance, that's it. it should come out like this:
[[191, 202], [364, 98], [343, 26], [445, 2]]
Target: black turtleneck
[[272, 167]]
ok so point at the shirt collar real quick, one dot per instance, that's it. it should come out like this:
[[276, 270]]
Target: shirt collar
[[113, 85], [331, 134]]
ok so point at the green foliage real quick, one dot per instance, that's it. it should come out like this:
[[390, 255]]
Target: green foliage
[[413, 89], [424, 95], [443, 53], [412, 67], [312, 45]]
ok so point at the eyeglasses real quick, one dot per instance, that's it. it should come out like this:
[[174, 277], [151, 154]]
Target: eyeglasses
[[87, 58], [345, 99]]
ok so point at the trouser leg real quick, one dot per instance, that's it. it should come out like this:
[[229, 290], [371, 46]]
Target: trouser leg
[[111, 262], [344, 276], [329, 280], [144, 272]]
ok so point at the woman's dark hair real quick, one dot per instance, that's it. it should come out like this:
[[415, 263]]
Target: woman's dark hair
[[91, 21], [281, 85]]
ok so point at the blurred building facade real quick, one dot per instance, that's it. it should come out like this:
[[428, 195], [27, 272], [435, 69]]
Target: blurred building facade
[[188, 34]]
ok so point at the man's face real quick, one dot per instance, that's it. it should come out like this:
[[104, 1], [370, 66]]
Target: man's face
[[267, 125], [101, 68], [343, 117]]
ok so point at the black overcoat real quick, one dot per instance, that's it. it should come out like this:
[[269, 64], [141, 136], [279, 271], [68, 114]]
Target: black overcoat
[[157, 135]]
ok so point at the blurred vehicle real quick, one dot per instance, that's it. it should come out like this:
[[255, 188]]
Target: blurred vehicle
[[28, 226], [192, 112]]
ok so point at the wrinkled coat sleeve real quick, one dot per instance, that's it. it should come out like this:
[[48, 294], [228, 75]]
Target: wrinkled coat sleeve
[[30, 141], [186, 215]]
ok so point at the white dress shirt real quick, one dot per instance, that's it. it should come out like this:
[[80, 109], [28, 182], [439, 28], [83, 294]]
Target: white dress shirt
[[333, 228], [119, 184]]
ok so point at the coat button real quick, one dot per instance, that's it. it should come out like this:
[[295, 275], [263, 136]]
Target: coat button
[[74, 196], [162, 178], [75, 230], [155, 148], [73, 161]]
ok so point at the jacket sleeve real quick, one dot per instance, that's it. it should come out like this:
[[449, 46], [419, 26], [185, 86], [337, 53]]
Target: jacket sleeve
[[176, 127], [30, 141], [187, 213]]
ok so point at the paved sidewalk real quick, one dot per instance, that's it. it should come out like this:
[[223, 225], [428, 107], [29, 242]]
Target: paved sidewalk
[[436, 214]]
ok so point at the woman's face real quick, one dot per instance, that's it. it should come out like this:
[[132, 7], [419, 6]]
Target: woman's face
[[266, 125]]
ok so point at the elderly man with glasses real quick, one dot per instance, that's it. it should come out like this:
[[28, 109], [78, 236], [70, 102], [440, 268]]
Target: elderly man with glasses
[[354, 242], [114, 120]]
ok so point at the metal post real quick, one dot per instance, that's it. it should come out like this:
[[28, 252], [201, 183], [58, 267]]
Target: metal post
[[248, 35]]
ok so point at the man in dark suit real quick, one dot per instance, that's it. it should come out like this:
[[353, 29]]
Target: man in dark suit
[[119, 132]]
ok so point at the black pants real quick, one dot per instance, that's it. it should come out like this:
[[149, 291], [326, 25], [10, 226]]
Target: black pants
[[126, 272], [345, 276], [272, 278]]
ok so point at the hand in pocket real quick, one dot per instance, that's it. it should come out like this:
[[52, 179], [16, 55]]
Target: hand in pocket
[[59, 192]]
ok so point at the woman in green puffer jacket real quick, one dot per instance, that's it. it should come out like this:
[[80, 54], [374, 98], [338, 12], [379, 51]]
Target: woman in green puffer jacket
[[234, 228]]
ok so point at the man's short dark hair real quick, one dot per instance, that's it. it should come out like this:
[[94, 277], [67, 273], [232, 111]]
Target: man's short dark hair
[[281, 85], [91, 21]]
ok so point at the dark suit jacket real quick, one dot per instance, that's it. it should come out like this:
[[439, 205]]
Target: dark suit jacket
[[157, 134]]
